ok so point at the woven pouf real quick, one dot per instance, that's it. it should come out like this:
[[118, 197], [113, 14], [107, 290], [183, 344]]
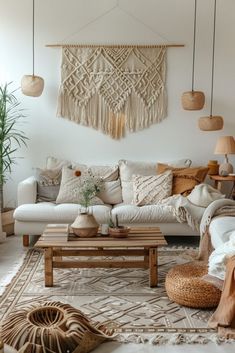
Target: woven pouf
[[185, 286], [54, 326]]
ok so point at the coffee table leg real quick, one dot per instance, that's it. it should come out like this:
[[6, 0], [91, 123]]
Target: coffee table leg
[[48, 267], [153, 276]]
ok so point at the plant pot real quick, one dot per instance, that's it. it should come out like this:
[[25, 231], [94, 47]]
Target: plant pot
[[119, 232], [8, 221], [85, 225]]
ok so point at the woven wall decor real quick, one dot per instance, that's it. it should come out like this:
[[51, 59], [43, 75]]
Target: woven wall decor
[[114, 89], [54, 326]]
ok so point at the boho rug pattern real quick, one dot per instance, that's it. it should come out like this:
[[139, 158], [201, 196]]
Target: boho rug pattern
[[139, 313]]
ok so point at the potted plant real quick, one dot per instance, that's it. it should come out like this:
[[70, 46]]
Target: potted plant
[[85, 225], [11, 138], [117, 231]]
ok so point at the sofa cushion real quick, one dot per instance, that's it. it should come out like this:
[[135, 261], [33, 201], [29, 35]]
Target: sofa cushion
[[111, 192], [129, 168], [184, 179], [48, 184], [149, 190], [56, 163], [52, 213], [106, 172], [144, 214], [70, 187]]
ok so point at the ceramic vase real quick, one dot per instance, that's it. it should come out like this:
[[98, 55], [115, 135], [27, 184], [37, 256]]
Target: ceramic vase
[[85, 225]]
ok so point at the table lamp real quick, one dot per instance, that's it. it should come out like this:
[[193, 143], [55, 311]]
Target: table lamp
[[225, 145]]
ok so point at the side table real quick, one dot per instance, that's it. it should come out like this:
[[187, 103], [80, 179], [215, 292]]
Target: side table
[[218, 180]]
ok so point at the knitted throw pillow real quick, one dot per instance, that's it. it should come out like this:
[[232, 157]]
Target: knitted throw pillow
[[149, 190]]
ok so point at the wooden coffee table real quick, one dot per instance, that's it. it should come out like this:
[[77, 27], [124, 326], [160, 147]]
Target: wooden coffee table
[[140, 242]]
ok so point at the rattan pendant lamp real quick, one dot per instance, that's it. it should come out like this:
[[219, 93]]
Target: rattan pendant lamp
[[212, 122], [193, 100], [32, 85]]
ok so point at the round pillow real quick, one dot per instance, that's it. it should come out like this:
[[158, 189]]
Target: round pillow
[[185, 286], [55, 326]]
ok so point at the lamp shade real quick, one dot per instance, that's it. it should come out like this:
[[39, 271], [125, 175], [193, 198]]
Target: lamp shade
[[225, 145]]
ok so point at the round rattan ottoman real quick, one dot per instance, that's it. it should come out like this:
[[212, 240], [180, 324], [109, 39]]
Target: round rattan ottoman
[[185, 286]]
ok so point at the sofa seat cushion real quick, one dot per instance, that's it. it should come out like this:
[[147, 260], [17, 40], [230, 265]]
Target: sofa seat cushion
[[52, 213], [144, 214]]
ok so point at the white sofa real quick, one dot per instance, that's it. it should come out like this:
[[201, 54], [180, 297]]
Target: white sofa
[[31, 216]]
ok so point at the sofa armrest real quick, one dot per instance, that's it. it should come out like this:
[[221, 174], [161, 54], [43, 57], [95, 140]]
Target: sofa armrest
[[27, 191]]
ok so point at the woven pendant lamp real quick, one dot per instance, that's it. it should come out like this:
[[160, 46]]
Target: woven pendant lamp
[[32, 85], [193, 100], [212, 122]]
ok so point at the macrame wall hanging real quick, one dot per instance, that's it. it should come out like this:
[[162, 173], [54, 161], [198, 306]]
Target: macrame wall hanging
[[113, 89]]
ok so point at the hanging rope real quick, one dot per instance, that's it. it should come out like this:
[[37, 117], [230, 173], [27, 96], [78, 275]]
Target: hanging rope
[[194, 42], [33, 37], [213, 61], [105, 13]]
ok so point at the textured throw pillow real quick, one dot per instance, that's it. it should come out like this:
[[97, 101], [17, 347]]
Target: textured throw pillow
[[70, 188], [106, 172], [149, 190], [184, 179], [129, 168], [111, 192], [48, 184]]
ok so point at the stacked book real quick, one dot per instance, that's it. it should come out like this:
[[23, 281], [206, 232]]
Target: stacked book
[[56, 232]]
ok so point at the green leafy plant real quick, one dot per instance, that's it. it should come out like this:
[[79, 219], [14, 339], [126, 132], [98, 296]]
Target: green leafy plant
[[91, 186], [11, 138]]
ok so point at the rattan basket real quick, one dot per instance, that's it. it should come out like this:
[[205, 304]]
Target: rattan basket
[[185, 286]]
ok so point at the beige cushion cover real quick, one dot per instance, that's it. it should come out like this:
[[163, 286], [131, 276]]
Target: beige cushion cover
[[111, 192], [106, 172], [70, 188], [48, 184], [149, 190]]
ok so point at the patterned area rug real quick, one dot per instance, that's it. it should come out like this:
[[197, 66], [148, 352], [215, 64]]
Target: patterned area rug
[[138, 312]]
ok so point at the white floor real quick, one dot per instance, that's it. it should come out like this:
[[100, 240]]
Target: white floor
[[10, 254]]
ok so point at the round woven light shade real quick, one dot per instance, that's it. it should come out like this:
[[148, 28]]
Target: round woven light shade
[[32, 85], [193, 100], [211, 123], [185, 286]]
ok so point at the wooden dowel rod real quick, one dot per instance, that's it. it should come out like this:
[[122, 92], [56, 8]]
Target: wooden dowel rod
[[114, 46]]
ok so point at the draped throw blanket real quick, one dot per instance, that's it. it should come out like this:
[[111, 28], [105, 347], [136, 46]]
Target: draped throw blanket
[[113, 89]]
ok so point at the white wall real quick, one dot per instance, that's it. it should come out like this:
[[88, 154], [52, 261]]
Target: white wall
[[177, 136]]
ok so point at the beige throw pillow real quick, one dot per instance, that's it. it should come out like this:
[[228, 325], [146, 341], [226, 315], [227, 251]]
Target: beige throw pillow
[[150, 190], [111, 192], [70, 187], [48, 184], [106, 172]]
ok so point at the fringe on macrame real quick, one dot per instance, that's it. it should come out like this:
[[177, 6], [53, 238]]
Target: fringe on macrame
[[134, 115]]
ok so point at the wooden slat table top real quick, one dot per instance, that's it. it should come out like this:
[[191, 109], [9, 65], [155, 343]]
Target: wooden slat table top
[[138, 237]]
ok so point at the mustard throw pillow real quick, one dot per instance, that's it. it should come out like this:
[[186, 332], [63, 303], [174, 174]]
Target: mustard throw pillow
[[184, 179]]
